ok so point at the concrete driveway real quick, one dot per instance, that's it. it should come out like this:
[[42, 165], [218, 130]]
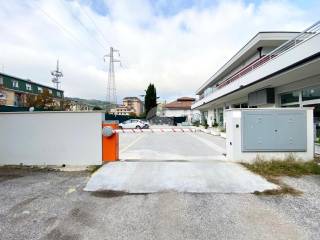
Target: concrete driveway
[[171, 146], [181, 162]]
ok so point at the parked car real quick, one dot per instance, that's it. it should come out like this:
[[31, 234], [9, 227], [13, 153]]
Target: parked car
[[146, 124], [134, 123]]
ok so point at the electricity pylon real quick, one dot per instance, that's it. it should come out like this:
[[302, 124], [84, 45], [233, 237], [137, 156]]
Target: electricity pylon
[[56, 75], [111, 86]]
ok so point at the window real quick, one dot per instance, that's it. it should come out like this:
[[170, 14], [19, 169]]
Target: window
[[236, 106], [28, 86], [290, 97], [40, 89], [3, 96], [311, 93], [220, 116], [50, 91], [58, 94], [1, 80], [244, 105], [15, 84], [291, 106]]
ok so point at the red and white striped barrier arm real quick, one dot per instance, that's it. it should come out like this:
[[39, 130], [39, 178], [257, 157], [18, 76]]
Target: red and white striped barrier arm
[[155, 130]]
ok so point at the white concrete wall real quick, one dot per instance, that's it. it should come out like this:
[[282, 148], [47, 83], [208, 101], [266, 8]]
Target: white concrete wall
[[50, 138], [234, 143]]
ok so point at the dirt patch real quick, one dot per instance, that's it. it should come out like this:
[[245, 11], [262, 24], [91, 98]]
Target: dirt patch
[[17, 170], [114, 194], [57, 234], [8, 177], [283, 190], [13, 172], [93, 168]]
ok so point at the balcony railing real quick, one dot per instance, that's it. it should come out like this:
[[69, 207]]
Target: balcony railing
[[300, 38]]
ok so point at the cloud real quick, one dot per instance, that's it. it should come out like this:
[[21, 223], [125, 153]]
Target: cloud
[[175, 46]]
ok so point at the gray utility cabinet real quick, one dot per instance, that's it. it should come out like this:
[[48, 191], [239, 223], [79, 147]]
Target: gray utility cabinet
[[274, 131]]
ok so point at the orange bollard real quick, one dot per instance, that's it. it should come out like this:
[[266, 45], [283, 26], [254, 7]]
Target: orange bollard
[[110, 145]]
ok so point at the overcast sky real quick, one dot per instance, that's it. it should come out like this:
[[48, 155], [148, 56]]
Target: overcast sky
[[175, 44]]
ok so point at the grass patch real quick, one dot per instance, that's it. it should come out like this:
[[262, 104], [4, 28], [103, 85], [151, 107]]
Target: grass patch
[[274, 169], [288, 167]]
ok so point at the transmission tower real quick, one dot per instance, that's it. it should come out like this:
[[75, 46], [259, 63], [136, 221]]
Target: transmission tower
[[111, 86], [56, 75]]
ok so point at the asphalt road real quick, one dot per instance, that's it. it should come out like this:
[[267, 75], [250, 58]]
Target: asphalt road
[[171, 146], [52, 205]]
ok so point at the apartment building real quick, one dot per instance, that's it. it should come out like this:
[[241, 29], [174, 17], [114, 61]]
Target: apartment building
[[14, 91], [133, 103], [274, 69], [122, 110]]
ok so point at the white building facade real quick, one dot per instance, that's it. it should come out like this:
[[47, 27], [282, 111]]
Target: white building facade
[[274, 69], [181, 108]]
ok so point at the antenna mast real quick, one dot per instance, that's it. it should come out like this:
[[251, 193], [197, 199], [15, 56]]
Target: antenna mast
[[56, 75], [111, 86]]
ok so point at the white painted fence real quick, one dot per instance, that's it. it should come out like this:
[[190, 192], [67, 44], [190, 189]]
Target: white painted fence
[[50, 138]]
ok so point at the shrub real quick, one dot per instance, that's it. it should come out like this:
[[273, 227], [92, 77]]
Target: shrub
[[205, 124], [215, 124], [222, 129], [196, 123]]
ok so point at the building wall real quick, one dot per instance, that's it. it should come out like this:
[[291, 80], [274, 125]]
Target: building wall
[[282, 61], [50, 138], [135, 104], [17, 88], [176, 112], [9, 99]]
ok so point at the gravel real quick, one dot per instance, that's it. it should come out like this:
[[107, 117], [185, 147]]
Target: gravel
[[37, 204], [304, 210]]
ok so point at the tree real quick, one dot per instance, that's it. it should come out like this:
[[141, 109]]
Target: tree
[[132, 114], [42, 101], [150, 100], [65, 105], [97, 108]]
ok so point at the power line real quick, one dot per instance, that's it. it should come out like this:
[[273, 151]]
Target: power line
[[69, 33], [94, 23], [103, 47]]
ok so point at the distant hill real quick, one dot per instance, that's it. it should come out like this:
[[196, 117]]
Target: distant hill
[[91, 102]]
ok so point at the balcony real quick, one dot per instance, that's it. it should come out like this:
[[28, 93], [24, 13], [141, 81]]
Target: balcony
[[302, 46]]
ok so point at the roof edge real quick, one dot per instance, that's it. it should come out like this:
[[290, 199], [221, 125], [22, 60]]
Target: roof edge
[[29, 81], [238, 52]]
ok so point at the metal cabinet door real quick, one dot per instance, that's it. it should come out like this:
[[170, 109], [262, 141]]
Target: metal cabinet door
[[291, 131], [257, 131]]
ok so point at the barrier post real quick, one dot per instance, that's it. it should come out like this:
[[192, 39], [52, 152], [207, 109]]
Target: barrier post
[[110, 144]]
